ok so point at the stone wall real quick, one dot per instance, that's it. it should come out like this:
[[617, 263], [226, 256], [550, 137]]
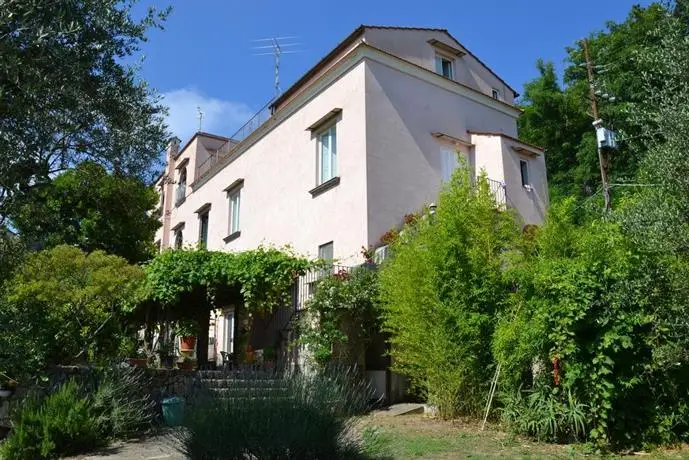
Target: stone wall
[[160, 384]]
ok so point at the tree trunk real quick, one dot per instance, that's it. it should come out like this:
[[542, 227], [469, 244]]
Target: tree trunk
[[202, 340]]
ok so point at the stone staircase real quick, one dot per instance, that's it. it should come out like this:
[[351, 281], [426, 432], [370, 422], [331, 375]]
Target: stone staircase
[[242, 385]]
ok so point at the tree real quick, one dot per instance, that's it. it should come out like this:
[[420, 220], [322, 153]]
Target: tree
[[91, 209], [559, 119], [65, 306], [440, 291], [595, 332], [12, 251], [554, 120], [67, 95], [657, 214]]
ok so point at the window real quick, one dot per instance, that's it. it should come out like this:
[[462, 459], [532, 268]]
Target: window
[[235, 199], [496, 94], [203, 229], [327, 155], [181, 186], [448, 163], [178, 239], [325, 252], [443, 66], [524, 166]]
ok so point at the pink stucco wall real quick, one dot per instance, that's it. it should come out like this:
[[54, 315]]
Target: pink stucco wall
[[412, 45], [278, 172], [389, 163], [403, 158]]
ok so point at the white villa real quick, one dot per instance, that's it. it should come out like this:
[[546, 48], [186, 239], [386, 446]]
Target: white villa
[[365, 137]]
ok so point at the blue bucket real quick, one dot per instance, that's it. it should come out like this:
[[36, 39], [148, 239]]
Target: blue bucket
[[173, 411]]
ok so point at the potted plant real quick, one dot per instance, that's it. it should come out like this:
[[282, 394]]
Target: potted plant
[[133, 351], [166, 353], [187, 331], [269, 356], [139, 358], [188, 363]]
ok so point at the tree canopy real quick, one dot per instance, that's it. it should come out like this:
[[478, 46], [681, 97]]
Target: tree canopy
[[89, 208], [67, 94], [558, 116], [65, 306]]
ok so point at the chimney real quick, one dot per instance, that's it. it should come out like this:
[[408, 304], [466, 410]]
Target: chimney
[[173, 147]]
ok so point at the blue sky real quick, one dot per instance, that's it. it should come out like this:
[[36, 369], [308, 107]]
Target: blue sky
[[204, 55]]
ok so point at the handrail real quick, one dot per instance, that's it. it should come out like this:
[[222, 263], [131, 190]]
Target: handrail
[[255, 122]]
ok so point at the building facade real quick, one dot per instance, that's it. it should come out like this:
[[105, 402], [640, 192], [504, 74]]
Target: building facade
[[366, 136]]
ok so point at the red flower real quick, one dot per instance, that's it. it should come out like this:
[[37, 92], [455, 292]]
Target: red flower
[[556, 370]]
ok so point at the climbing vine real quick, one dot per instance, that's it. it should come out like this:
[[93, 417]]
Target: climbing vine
[[262, 276], [342, 317]]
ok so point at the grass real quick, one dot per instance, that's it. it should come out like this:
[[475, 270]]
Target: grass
[[417, 437]]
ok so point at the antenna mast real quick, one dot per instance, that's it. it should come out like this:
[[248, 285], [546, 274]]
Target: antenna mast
[[200, 117], [276, 45]]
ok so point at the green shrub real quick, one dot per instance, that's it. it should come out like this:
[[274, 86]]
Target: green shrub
[[441, 290], [606, 323], [545, 416], [76, 418], [343, 316], [301, 417], [62, 424], [122, 403]]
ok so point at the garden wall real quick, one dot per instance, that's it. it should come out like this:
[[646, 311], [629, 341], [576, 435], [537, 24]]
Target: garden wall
[[161, 384]]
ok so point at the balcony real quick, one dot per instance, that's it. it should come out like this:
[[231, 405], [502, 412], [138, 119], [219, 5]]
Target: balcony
[[498, 190], [217, 157]]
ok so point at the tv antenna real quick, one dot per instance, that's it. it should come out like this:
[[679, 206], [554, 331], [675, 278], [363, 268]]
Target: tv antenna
[[200, 117], [276, 47]]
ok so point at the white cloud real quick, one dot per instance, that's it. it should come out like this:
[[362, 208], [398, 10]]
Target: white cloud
[[219, 116]]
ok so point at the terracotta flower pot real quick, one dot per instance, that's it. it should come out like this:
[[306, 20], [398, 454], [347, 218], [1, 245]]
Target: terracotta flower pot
[[186, 365], [138, 362], [187, 343]]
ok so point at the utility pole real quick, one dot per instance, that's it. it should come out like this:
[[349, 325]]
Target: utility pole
[[597, 123]]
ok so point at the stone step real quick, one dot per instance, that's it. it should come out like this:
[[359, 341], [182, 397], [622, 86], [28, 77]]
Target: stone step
[[242, 392], [247, 375], [246, 384], [243, 399]]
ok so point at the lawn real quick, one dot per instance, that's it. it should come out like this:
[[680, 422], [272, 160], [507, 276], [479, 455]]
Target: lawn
[[418, 437]]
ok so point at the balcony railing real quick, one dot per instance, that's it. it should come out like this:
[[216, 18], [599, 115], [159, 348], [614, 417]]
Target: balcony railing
[[306, 284], [498, 190], [227, 149]]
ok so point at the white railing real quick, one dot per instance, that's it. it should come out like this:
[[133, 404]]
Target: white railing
[[236, 139]]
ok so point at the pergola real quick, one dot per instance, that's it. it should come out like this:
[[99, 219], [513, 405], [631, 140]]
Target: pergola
[[189, 284]]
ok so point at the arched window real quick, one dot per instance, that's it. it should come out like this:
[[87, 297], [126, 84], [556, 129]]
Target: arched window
[[181, 186], [179, 240]]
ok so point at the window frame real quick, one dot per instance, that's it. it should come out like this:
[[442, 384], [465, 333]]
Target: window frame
[[331, 245], [524, 167], [333, 163], [234, 221], [496, 94], [439, 68], [181, 192], [203, 236], [179, 239]]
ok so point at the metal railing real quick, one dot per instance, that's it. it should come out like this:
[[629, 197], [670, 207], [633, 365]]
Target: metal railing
[[226, 150], [307, 284], [499, 191]]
